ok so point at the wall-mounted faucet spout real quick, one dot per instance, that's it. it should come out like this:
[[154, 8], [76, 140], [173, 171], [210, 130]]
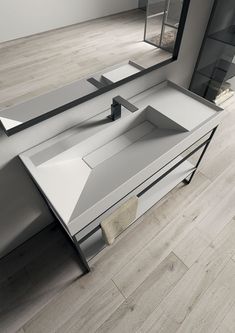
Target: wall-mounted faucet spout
[[116, 107]]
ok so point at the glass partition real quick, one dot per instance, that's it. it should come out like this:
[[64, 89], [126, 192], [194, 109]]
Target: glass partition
[[214, 74]]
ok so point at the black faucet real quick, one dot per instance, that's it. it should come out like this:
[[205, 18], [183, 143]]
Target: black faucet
[[116, 107]]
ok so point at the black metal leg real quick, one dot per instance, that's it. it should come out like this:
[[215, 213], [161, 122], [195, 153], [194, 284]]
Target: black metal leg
[[188, 181], [72, 241], [84, 263]]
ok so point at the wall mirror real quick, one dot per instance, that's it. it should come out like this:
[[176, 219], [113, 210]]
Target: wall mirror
[[48, 73]]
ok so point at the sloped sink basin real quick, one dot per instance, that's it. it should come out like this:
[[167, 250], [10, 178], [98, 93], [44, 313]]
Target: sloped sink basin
[[104, 160]]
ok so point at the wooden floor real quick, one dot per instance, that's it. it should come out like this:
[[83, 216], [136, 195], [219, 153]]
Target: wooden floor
[[172, 272], [34, 65]]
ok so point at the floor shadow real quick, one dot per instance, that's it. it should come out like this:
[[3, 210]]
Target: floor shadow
[[23, 211], [34, 274], [36, 271]]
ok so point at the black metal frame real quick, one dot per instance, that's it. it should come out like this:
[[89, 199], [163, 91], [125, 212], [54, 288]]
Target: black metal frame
[[201, 157], [180, 31], [82, 262], [77, 243], [86, 267], [110, 87]]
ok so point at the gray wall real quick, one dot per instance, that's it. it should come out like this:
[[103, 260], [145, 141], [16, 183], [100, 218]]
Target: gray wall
[[22, 211], [28, 17], [142, 3]]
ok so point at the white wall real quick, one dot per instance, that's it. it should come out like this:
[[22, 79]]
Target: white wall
[[22, 211], [20, 18]]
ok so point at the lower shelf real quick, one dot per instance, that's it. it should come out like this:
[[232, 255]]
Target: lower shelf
[[95, 242], [159, 190]]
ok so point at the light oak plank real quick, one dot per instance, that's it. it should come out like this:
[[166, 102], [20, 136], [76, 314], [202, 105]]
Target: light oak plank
[[217, 191], [214, 305], [228, 324], [185, 296], [217, 218], [222, 329], [93, 313], [158, 322], [138, 306], [223, 158], [191, 247]]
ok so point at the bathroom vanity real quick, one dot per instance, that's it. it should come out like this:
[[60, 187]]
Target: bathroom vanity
[[88, 174]]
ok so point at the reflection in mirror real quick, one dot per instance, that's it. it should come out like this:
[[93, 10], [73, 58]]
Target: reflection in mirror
[[51, 72], [162, 23]]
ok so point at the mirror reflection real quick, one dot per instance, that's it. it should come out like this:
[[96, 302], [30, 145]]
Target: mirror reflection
[[162, 23], [42, 74]]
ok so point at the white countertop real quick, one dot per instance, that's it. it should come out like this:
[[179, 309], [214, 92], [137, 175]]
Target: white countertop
[[86, 172]]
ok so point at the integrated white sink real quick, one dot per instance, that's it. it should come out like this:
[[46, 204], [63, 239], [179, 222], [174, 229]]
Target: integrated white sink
[[84, 174], [103, 161]]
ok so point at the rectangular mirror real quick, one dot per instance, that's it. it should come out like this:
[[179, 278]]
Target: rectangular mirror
[[48, 73]]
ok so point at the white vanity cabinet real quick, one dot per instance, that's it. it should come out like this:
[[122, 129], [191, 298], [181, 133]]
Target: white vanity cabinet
[[88, 175]]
